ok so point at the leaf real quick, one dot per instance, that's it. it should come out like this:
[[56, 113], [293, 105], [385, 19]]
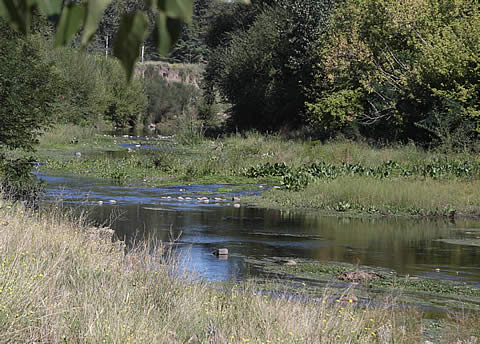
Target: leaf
[[50, 7], [70, 22], [177, 9], [18, 13], [95, 9], [130, 36], [3, 10], [166, 32]]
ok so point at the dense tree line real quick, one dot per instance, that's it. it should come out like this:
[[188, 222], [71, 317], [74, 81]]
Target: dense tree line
[[394, 70]]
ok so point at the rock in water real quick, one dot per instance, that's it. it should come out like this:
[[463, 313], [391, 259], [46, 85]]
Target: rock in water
[[221, 252]]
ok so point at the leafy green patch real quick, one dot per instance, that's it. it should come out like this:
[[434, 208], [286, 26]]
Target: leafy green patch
[[298, 178]]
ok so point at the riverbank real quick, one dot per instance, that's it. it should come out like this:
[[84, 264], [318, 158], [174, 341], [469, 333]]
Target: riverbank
[[65, 281], [336, 177]]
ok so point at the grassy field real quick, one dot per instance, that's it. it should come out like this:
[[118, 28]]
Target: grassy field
[[339, 176], [62, 281]]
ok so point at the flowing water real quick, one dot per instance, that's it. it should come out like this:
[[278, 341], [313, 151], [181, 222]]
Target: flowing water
[[420, 248]]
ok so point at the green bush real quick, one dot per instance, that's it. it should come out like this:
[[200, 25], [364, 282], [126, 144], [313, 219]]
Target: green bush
[[93, 89], [168, 100], [82, 92], [262, 66], [17, 182], [127, 102], [27, 93]]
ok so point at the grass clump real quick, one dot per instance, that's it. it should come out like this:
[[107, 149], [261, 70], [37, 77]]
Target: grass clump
[[363, 195], [63, 281]]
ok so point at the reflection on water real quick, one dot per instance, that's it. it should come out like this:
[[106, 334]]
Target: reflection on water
[[406, 246]]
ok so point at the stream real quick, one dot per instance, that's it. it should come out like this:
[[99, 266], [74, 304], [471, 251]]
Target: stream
[[204, 218]]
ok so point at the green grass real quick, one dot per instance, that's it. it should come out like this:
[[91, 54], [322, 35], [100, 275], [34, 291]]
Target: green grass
[[63, 281], [397, 196]]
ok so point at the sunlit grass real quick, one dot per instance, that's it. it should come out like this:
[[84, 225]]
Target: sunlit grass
[[396, 196]]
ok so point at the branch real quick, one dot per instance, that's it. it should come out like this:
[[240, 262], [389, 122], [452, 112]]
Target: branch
[[376, 116]]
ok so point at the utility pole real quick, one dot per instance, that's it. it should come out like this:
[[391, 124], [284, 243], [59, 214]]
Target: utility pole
[[106, 46]]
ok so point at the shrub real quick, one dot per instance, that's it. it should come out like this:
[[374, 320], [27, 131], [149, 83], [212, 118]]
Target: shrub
[[93, 88], [399, 69], [27, 93], [262, 69], [168, 100], [126, 102]]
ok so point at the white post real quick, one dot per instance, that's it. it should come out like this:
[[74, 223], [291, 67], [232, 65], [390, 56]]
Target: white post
[[143, 51], [106, 46]]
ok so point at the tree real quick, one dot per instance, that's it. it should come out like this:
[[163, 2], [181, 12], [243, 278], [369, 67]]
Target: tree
[[27, 93], [400, 70], [262, 65]]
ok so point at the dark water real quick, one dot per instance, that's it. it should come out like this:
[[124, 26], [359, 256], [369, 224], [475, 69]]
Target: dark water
[[406, 246]]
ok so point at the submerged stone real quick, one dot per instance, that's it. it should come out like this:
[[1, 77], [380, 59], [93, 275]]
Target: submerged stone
[[359, 276]]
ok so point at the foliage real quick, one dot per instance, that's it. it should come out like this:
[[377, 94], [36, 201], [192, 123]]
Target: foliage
[[191, 47], [262, 65], [27, 94], [299, 178], [126, 102], [276, 169], [82, 93], [168, 100], [17, 182], [92, 88], [399, 70], [27, 91]]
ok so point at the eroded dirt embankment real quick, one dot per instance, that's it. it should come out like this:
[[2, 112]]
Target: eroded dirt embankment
[[184, 73]]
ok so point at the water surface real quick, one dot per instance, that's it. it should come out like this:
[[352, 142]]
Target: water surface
[[414, 247]]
